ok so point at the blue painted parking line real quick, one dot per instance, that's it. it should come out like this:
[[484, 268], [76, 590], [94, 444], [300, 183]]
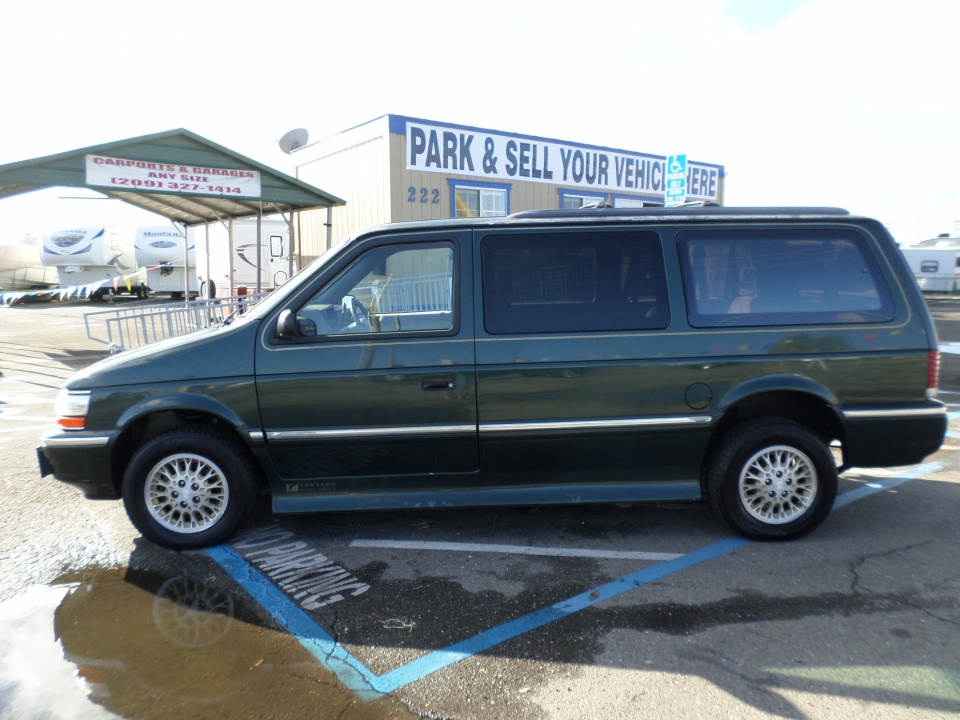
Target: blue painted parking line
[[350, 671], [367, 685], [873, 488], [440, 659]]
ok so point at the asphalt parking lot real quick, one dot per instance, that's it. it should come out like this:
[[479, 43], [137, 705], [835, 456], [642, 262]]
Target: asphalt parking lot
[[586, 611]]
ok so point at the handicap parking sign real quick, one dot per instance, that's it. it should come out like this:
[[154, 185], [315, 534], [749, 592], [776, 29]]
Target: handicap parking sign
[[676, 184]]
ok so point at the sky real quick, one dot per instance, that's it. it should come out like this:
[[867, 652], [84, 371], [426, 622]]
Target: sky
[[848, 103]]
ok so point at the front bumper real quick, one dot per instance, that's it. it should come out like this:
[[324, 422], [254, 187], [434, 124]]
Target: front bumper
[[891, 435], [81, 459]]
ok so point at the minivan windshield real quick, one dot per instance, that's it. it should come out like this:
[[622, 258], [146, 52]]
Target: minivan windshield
[[278, 296]]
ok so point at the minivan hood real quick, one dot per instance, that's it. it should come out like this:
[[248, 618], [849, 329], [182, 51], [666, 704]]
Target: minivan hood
[[214, 353]]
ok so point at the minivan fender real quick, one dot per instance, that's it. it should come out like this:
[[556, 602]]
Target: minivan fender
[[776, 383], [184, 401]]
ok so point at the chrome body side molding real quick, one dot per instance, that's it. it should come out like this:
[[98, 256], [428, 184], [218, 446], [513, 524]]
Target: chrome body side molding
[[879, 413], [509, 427], [390, 431], [602, 424]]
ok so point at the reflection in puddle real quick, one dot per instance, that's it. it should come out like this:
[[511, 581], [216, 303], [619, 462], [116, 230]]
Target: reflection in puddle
[[142, 646], [35, 682], [192, 615]]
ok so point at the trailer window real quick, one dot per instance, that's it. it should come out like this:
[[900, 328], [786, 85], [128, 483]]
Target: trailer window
[[276, 246]]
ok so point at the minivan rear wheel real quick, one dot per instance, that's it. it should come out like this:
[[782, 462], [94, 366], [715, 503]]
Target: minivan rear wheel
[[189, 488], [772, 479]]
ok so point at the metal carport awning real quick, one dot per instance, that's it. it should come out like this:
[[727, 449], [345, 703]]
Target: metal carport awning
[[279, 193]]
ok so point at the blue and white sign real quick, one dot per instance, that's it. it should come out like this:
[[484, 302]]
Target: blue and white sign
[[676, 180], [494, 156]]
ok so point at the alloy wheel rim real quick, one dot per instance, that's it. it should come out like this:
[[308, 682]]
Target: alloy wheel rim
[[186, 493], [778, 485]]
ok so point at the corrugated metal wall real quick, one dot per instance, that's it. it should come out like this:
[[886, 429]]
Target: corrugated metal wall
[[358, 174], [404, 180]]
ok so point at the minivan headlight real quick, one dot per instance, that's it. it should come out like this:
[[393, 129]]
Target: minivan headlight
[[71, 408]]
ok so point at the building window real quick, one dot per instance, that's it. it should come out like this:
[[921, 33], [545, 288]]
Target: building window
[[571, 200], [471, 199], [480, 202], [628, 201]]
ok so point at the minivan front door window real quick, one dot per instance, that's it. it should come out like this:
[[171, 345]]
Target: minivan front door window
[[390, 289]]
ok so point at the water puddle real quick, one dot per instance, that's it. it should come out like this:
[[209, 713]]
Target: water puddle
[[118, 643]]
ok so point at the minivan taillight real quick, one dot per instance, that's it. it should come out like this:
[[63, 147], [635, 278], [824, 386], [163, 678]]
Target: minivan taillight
[[933, 373]]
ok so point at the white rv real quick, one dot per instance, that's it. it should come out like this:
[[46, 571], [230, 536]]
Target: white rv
[[22, 269], [159, 252], [89, 255], [274, 254], [934, 264]]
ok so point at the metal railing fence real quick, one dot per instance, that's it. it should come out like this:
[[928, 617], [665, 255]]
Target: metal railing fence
[[128, 328], [413, 294]]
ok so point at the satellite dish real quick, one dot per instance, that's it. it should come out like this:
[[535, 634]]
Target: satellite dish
[[293, 140]]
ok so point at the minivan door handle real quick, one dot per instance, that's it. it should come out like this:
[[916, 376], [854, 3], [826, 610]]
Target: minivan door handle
[[438, 382]]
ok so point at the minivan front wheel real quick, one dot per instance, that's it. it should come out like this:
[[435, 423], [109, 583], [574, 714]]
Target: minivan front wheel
[[772, 479], [189, 488]]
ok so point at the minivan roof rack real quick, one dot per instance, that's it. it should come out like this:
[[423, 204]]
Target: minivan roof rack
[[695, 208]]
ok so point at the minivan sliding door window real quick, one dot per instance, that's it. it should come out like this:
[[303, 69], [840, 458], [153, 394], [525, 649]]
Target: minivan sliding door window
[[781, 277], [573, 282]]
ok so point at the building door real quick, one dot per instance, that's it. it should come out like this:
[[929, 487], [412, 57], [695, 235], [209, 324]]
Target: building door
[[378, 390]]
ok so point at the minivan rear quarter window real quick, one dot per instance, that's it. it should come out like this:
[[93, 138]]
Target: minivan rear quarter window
[[786, 277], [573, 282]]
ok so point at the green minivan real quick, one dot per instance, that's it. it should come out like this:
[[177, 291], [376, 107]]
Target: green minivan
[[586, 356]]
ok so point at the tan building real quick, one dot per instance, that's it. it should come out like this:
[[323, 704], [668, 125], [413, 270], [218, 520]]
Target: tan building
[[397, 168]]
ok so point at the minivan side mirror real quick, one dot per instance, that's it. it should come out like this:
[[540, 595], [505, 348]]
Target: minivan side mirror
[[286, 324]]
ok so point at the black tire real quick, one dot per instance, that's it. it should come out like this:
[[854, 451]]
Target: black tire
[[216, 452], [806, 508]]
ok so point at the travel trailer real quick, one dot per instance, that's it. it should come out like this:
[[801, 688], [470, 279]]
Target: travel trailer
[[22, 269], [934, 263], [274, 254], [159, 252], [90, 255]]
